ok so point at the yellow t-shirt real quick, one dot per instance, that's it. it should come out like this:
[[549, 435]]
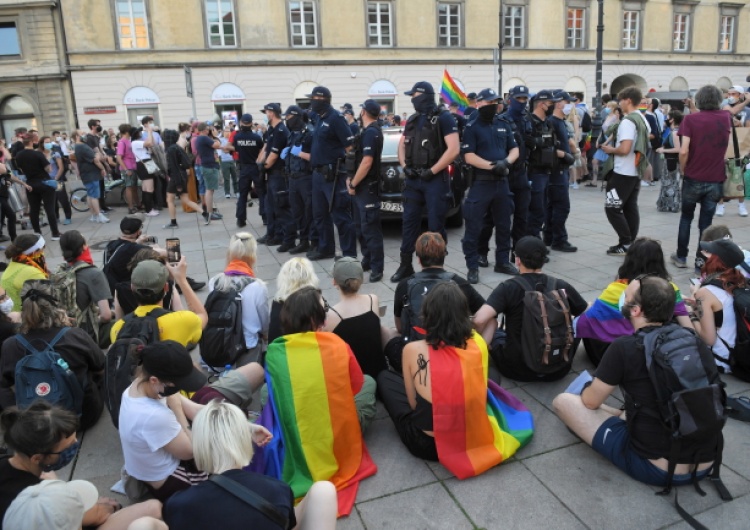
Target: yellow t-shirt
[[184, 327], [14, 277]]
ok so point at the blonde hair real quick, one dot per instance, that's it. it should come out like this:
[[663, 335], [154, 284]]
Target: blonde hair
[[293, 276], [222, 439], [242, 247]]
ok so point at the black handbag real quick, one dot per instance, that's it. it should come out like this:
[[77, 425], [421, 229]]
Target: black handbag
[[251, 498]]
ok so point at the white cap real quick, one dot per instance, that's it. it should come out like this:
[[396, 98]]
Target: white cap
[[52, 505], [737, 88]]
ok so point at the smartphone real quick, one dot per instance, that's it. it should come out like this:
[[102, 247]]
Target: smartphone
[[150, 240], [173, 250]]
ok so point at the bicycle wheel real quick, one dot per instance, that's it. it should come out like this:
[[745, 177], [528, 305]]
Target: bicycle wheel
[[78, 200]]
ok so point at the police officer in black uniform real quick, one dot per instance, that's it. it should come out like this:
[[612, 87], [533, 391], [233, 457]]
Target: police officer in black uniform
[[428, 146], [363, 167], [248, 146], [472, 108], [299, 173], [490, 148], [349, 117]]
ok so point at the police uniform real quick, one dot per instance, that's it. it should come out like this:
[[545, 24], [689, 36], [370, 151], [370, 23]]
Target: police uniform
[[300, 180], [490, 192], [247, 145], [281, 229], [331, 202]]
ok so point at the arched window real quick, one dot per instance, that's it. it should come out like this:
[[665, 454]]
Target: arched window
[[15, 112]]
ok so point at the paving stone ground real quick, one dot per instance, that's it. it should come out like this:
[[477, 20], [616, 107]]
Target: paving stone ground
[[556, 481]]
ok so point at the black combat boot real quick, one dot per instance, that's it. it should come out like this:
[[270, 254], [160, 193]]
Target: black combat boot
[[405, 270]]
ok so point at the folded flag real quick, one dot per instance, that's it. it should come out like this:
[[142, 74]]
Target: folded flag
[[451, 93]]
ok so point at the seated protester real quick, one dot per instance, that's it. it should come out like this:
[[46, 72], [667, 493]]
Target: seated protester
[[295, 274], [430, 250], [316, 387], [41, 322], [149, 283], [125, 300], [9, 319], [43, 440], [223, 446], [239, 275], [355, 318], [52, 504], [602, 322], [714, 232], [92, 288], [27, 262], [154, 429], [638, 445], [508, 298], [713, 313]]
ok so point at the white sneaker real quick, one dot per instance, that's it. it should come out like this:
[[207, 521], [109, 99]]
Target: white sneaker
[[227, 196], [102, 219], [93, 219], [645, 184], [720, 210], [574, 186], [153, 213], [742, 210]]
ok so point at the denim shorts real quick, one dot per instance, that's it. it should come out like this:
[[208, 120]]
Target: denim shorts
[[612, 441], [93, 190]]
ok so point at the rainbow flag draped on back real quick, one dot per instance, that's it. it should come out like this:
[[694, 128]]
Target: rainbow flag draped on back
[[476, 425], [603, 320], [451, 93], [312, 416]]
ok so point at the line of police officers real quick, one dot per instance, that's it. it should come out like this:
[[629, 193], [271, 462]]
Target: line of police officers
[[312, 176]]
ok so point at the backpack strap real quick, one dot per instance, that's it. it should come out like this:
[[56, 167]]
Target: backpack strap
[[566, 313], [51, 344], [251, 498]]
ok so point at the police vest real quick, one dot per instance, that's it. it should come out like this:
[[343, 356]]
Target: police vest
[[295, 165], [543, 157], [424, 146], [374, 172], [519, 166]]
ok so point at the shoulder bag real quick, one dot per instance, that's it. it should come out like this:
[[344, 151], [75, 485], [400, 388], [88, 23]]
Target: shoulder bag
[[734, 185], [251, 498]]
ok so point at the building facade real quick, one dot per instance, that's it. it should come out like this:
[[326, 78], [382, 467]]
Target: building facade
[[34, 87], [127, 57]]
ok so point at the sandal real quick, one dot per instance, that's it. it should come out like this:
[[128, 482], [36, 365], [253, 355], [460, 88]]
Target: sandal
[[739, 408]]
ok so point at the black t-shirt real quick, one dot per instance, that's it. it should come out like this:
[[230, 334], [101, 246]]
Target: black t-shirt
[[248, 145], [207, 505], [116, 269], [32, 163], [278, 138], [12, 482], [274, 324], [507, 298]]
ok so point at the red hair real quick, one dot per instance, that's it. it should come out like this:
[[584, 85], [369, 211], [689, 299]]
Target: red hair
[[730, 278]]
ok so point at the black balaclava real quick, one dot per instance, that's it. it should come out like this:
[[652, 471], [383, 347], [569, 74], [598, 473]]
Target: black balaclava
[[423, 103]]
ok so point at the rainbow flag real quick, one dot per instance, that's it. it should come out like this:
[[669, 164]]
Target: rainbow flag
[[451, 93], [603, 320], [312, 416], [477, 424]]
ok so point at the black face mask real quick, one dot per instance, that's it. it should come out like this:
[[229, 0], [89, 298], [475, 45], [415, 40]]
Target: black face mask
[[168, 391], [550, 110], [423, 103], [319, 106], [487, 113], [99, 128], [294, 122]]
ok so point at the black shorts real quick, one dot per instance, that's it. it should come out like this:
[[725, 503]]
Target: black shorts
[[142, 172], [176, 186]]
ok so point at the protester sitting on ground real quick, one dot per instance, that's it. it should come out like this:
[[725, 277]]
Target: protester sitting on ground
[[125, 300], [43, 440], [223, 446], [431, 252], [295, 274], [9, 319], [92, 288], [53, 505], [712, 304], [603, 322], [154, 429], [508, 298], [714, 232], [640, 445], [41, 322], [355, 318], [27, 262], [149, 283], [239, 275]]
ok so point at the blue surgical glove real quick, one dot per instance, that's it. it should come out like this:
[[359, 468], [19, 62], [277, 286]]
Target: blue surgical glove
[[576, 387], [296, 150], [285, 152]]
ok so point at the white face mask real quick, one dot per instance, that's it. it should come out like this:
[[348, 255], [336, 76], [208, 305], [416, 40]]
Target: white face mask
[[732, 100], [58, 139], [6, 306], [567, 108]]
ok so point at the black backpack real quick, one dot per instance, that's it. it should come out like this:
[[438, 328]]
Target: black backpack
[[223, 339], [586, 124], [417, 288], [690, 403], [739, 355], [547, 329], [119, 363]]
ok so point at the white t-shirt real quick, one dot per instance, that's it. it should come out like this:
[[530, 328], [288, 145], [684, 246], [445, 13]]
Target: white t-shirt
[[625, 165], [146, 426], [140, 152], [728, 329]]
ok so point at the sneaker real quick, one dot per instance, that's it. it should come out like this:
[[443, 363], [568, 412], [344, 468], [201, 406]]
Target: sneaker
[[68, 221], [742, 210], [617, 250], [131, 211], [171, 225], [574, 186], [720, 210], [206, 218], [102, 218], [678, 262], [56, 237], [216, 216], [93, 219], [152, 213], [227, 196]]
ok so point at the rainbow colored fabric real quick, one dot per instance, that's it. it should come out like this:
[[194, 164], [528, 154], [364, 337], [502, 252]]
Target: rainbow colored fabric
[[312, 416], [476, 425], [451, 93], [603, 320]]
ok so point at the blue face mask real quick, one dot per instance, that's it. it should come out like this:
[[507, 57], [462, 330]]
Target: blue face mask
[[48, 146], [516, 107], [66, 456]]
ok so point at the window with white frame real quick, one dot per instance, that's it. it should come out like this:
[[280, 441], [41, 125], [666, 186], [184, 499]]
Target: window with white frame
[[220, 20], [132, 26], [514, 26], [726, 33], [379, 24], [631, 30], [449, 24], [576, 28], [303, 24], [681, 32]]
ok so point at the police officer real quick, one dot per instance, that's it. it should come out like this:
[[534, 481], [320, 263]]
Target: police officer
[[426, 149], [331, 201], [349, 117], [298, 170], [460, 120], [472, 108], [363, 182], [248, 146], [490, 148]]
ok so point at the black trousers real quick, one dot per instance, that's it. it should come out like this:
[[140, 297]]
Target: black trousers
[[10, 216], [621, 206], [393, 394], [62, 200], [41, 193]]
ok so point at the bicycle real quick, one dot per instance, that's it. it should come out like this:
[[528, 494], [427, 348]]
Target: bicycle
[[78, 196]]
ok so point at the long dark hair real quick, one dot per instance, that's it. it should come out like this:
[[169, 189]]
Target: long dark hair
[[446, 316], [302, 312], [37, 429], [644, 256]]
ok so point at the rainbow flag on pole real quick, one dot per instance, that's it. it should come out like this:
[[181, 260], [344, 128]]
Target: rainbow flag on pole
[[451, 93], [477, 424], [312, 416]]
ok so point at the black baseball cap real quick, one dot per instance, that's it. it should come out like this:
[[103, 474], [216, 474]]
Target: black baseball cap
[[130, 224], [471, 95], [350, 112], [246, 118], [170, 361], [562, 95], [729, 253], [347, 106], [293, 110], [519, 91], [372, 107], [320, 91], [487, 95], [275, 107], [546, 95], [530, 247], [421, 87]]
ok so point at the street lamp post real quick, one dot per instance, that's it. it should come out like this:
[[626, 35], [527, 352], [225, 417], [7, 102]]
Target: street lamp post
[[596, 123]]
